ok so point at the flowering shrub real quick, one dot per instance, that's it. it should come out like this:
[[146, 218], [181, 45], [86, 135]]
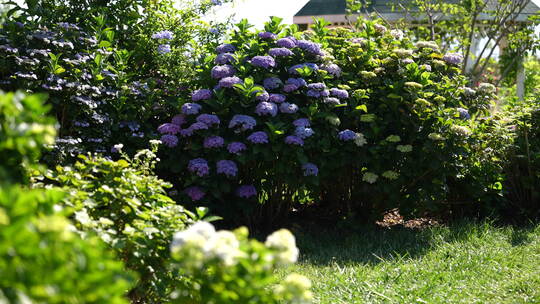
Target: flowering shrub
[[127, 207], [362, 121], [227, 267]]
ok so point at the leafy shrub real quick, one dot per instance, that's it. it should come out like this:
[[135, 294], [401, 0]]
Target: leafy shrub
[[357, 121], [41, 259], [24, 129], [227, 267], [127, 207]]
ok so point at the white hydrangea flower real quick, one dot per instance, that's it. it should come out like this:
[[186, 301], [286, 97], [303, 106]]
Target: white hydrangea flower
[[283, 241], [225, 246], [360, 139], [486, 88], [393, 138], [460, 130], [296, 287], [435, 136], [404, 148], [370, 177], [334, 120], [195, 236], [403, 53], [391, 175], [397, 34]]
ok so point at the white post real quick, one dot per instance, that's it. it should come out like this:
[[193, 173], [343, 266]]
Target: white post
[[472, 54], [520, 81]]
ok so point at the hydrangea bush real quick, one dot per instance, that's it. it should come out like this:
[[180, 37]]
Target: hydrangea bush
[[356, 121], [227, 267]]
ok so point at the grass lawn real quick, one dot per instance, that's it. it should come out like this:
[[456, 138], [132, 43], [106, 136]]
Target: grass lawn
[[463, 263]]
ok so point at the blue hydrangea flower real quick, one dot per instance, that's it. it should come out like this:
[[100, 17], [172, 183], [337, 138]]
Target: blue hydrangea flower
[[222, 71], [179, 119], [294, 84], [346, 135], [229, 82], [168, 35], [196, 126], [213, 142], [310, 169], [199, 166], [224, 58], [313, 93], [319, 86], [303, 132], [280, 52], [169, 140], [258, 137], [266, 108], [186, 132], [236, 147], [190, 108], [267, 35], [463, 114], [195, 193], [325, 93], [225, 48], [164, 49], [227, 167], [168, 128], [208, 119], [277, 98], [265, 62], [310, 47], [288, 108], [332, 69], [286, 43], [272, 83], [262, 96], [246, 191], [201, 94], [301, 122], [294, 140], [341, 94], [245, 122]]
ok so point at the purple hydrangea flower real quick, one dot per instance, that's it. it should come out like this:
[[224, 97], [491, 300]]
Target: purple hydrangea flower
[[346, 135], [286, 43], [289, 88], [225, 48], [190, 108], [186, 132], [310, 47], [266, 108], [294, 68], [179, 119], [288, 108], [246, 191], [272, 83], [313, 93], [245, 122], [262, 96], [208, 119], [294, 140], [169, 140], [236, 147], [227, 167], [341, 94], [453, 58], [258, 138], [222, 71], [195, 193], [163, 35], [294, 84], [265, 62], [229, 82], [267, 35], [463, 114], [198, 126], [325, 93], [310, 169], [301, 122], [224, 58], [214, 142], [277, 98], [280, 52], [407, 61], [332, 101], [164, 49], [201, 94], [319, 86], [303, 132], [168, 128], [199, 166], [332, 69]]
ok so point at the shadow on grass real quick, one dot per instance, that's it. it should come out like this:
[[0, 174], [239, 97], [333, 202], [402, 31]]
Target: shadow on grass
[[372, 244]]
